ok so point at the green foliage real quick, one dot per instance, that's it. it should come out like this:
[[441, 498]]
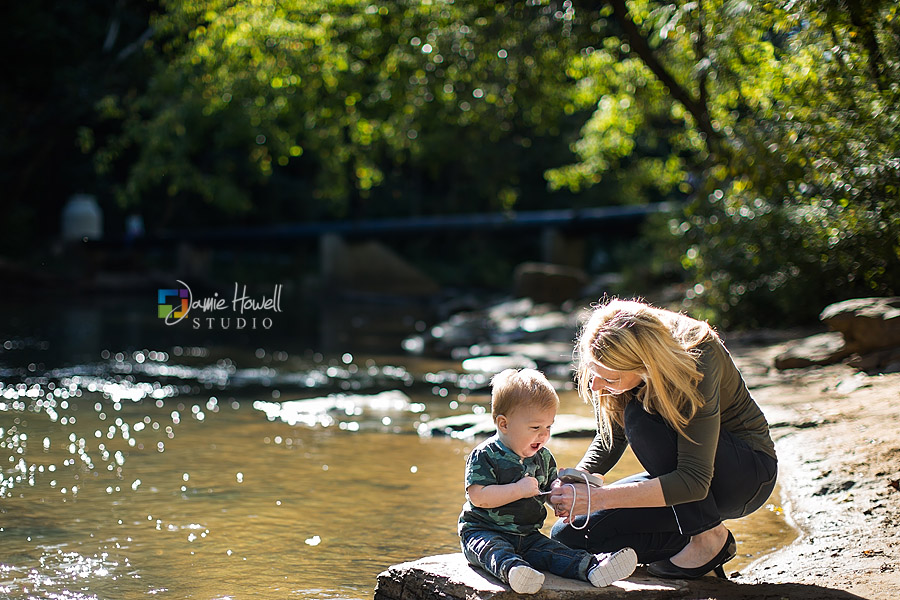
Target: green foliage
[[636, 132], [784, 117], [778, 120], [347, 95]]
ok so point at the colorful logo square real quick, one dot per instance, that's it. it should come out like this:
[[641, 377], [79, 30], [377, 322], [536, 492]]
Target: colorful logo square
[[177, 307]]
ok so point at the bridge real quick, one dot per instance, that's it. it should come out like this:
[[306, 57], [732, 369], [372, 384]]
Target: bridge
[[351, 251], [563, 219]]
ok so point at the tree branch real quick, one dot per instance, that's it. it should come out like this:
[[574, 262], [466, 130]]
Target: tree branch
[[639, 45], [700, 51], [135, 45], [870, 42]]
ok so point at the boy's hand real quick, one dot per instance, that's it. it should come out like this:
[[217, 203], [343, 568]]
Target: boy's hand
[[528, 486]]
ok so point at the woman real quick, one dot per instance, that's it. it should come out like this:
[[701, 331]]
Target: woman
[[664, 383]]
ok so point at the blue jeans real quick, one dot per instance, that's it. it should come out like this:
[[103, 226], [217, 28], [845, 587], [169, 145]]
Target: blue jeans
[[743, 479], [497, 553]]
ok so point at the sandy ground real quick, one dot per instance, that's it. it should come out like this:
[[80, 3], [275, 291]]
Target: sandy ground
[[838, 439]]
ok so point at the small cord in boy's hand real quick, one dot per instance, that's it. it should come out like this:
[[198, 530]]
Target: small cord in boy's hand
[[528, 486]]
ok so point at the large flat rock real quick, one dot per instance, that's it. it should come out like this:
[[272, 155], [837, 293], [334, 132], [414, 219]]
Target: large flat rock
[[450, 577]]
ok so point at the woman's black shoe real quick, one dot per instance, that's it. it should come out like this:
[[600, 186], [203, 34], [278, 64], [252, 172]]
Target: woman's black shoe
[[665, 568]]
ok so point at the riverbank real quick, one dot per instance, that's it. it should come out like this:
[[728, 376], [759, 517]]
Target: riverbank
[[837, 432]]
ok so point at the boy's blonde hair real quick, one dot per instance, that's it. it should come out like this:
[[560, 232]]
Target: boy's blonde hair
[[515, 388], [628, 335]]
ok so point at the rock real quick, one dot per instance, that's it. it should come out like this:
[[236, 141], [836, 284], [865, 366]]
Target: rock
[[882, 361], [547, 322], [540, 352], [508, 312], [370, 267], [459, 426], [853, 383], [821, 349], [867, 324], [545, 282], [503, 324], [323, 411], [450, 577], [495, 364], [471, 425], [835, 488], [866, 329], [574, 426], [81, 219]]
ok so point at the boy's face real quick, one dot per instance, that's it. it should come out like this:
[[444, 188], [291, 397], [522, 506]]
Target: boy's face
[[526, 430]]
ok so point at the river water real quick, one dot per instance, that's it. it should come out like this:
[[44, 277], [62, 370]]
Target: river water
[[140, 462]]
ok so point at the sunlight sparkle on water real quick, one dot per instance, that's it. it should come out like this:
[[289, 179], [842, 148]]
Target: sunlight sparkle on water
[[131, 428]]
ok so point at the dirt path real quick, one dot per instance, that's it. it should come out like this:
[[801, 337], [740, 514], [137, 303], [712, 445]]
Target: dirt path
[[838, 438]]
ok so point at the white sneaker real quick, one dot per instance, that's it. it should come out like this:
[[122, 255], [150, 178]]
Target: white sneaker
[[525, 580], [612, 567]]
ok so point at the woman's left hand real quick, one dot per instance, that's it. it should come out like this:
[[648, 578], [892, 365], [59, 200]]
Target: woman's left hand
[[561, 500]]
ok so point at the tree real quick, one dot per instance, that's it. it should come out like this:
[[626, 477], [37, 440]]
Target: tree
[[782, 116], [778, 120], [342, 96]]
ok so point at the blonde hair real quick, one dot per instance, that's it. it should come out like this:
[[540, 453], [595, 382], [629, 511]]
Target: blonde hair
[[659, 345], [514, 388]]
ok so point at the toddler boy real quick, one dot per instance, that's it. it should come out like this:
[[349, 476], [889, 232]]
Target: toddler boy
[[508, 477]]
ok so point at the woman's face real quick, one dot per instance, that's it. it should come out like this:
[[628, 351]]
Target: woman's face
[[614, 382]]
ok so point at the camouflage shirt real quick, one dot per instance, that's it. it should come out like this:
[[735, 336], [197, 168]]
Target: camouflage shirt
[[492, 463]]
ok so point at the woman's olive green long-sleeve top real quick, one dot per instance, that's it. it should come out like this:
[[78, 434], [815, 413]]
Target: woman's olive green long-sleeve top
[[728, 405]]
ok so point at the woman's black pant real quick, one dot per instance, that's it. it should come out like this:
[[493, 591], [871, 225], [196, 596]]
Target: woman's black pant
[[742, 481]]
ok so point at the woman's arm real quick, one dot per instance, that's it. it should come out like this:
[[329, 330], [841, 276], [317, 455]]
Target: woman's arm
[[617, 495], [492, 496], [600, 459]]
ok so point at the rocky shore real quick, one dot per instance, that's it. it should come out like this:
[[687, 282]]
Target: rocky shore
[[837, 431]]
